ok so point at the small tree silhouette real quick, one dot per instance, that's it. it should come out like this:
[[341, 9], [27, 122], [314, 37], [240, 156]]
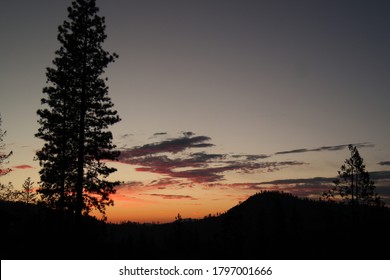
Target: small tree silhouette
[[3, 156], [6, 190], [178, 218], [27, 194], [353, 186]]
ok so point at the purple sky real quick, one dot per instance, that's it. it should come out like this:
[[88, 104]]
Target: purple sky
[[217, 98]]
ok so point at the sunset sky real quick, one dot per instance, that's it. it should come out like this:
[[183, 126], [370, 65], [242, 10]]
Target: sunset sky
[[219, 99]]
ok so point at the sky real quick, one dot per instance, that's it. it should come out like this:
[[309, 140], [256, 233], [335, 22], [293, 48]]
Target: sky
[[218, 99]]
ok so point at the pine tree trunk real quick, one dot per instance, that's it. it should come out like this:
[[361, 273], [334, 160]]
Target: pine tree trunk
[[352, 187], [62, 180], [80, 157]]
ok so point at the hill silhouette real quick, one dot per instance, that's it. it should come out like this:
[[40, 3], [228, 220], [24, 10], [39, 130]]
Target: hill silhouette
[[268, 225]]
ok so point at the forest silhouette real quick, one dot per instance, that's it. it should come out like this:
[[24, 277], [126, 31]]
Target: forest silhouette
[[268, 225]]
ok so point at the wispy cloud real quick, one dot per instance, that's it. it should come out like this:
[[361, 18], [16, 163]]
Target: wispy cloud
[[23, 166], [380, 175], [173, 159], [160, 133], [180, 166], [210, 174], [127, 135], [251, 157], [172, 196], [131, 185], [164, 183], [175, 145], [324, 148], [312, 181]]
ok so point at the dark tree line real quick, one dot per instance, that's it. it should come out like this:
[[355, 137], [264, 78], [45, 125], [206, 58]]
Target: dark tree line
[[267, 225], [76, 115]]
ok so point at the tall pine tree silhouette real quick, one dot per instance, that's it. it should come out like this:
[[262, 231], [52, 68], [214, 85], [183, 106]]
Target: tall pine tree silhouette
[[78, 112]]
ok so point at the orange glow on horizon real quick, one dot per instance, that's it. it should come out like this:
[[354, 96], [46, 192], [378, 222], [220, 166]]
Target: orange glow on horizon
[[151, 205]]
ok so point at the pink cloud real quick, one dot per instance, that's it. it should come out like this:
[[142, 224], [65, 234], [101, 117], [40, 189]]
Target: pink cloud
[[23, 166], [171, 159]]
